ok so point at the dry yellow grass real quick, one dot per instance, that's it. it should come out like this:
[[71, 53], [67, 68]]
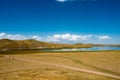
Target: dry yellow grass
[[12, 68]]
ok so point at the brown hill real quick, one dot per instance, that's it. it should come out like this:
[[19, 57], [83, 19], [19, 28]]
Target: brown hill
[[12, 44], [33, 44]]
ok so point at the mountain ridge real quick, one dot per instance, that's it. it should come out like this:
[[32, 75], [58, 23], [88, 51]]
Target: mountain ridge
[[31, 43]]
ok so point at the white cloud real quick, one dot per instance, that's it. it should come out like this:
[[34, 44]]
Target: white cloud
[[18, 36], [89, 38], [73, 0], [61, 38], [36, 37], [104, 37], [15, 37], [68, 37], [61, 0], [2, 34], [64, 0]]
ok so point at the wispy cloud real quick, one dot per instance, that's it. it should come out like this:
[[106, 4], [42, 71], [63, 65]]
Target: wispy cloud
[[73, 0], [61, 38], [18, 36], [63, 0], [89, 38], [60, 0], [2, 34], [69, 37], [104, 37]]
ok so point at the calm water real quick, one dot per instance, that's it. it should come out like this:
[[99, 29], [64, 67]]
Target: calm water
[[88, 49]]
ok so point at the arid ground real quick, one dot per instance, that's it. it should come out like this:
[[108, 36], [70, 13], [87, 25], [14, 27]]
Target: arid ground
[[99, 65]]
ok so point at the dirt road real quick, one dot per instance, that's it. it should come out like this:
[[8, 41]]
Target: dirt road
[[72, 68]]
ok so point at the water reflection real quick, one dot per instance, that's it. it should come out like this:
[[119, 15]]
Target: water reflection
[[88, 49]]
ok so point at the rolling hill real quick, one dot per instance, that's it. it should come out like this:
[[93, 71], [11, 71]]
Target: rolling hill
[[33, 44]]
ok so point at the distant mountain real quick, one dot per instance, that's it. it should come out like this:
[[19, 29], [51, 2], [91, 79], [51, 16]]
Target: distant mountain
[[33, 44]]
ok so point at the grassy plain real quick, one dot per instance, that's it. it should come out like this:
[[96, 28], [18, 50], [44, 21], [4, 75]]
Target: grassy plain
[[39, 65]]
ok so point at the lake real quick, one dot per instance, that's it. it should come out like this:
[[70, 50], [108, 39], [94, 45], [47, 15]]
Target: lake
[[96, 48]]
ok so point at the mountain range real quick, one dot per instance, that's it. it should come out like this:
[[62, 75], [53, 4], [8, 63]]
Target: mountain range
[[34, 44]]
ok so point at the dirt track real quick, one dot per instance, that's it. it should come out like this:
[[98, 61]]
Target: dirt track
[[72, 68]]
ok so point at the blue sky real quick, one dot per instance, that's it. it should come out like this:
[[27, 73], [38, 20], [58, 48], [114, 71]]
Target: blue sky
[[47, 18]]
